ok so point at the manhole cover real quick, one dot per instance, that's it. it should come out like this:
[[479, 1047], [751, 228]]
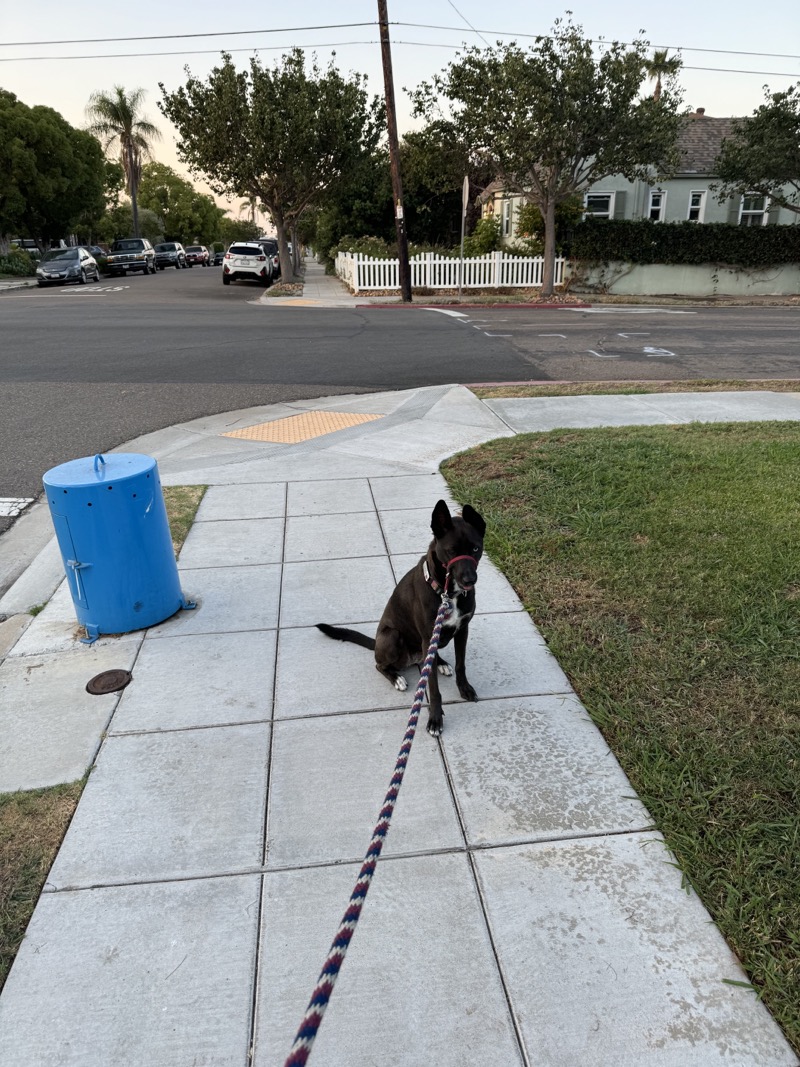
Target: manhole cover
[[108, 682]]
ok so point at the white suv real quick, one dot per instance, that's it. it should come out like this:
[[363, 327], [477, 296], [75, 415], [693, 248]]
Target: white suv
[[246, 260]]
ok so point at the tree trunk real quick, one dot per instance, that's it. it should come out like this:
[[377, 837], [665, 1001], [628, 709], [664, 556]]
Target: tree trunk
[[549, 270], [134, 204], [295, 249], [287, 271]]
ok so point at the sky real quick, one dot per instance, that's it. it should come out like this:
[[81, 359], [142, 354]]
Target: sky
[[710, 35]]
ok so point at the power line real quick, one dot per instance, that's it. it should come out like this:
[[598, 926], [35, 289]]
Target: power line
[[465, 19], [187, 36], [352, 25]]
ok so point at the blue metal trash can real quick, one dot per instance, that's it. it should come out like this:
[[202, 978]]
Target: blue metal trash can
[[112, 529]]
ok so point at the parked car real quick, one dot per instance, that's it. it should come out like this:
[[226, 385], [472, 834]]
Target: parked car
[[171, 254], [130, 254], [61, 265], [197, 254], [219, 259], [271, 247], [96, 251], [247, 261]]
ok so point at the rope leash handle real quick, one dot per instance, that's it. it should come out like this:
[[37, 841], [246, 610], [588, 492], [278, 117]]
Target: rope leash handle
[[312, 1020]]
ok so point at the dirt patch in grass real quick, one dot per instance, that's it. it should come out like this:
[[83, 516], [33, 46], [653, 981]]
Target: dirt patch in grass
[[662, 566], [32, 826], [691, 385]]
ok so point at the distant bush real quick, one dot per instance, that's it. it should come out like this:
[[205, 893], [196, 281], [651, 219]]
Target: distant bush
[[18, 263], [484, 238]]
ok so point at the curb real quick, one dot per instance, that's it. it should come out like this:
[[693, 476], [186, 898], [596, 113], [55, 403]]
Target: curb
[[455, 307]]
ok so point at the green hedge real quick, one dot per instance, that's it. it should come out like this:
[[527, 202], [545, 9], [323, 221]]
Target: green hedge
[[18, 263], [604, 240]]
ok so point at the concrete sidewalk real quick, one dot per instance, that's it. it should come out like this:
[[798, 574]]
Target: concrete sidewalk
[[524, 911]]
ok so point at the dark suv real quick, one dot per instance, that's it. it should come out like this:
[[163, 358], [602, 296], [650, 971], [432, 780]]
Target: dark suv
[[129, 254], [271, 248], [170, 254]]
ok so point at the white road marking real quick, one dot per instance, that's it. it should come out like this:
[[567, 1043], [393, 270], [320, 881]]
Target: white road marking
[[601, 355], [557, 335], [657, 352], [633, 335], [96, 289], [11, 506], [628, 311], [498, 334], [445, 311]]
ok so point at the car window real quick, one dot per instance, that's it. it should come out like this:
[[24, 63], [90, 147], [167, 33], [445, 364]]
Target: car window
[[128, 246], [245, 250], [60, 253], [194, 248]]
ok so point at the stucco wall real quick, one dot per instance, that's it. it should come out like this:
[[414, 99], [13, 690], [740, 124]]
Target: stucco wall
[[668, 280]]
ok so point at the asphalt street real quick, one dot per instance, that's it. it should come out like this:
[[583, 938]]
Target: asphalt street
[[85, 368]]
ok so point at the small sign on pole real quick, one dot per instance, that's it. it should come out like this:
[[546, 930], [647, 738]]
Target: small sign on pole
[[464, 202]]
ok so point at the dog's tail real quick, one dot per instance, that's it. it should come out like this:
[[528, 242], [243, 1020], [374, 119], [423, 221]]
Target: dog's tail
[[339, 633]]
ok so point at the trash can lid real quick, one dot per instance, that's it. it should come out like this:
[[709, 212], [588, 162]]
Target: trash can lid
[[98, 470]]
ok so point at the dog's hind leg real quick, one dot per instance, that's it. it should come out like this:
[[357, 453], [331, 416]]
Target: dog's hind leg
[[390, 657], [443, 667]]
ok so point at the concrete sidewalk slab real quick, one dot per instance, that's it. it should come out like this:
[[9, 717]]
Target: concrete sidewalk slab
[[229, 599], [167, 806], [609, 961]]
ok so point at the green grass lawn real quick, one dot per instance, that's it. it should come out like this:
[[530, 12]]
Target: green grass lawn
[[662, 564], [686, 385], [33, 822]]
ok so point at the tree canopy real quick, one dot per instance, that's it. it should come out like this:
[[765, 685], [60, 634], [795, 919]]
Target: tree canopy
[[186, 214], [283, 134], [116, 119], [555, 117], [51, 174], [763, 153]]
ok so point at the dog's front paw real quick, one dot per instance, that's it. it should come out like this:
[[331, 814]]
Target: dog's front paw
[[401, 684], [444, 668], [434, 727], [467, 692]]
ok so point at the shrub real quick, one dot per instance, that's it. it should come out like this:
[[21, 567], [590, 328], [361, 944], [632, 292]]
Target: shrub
[[642, 241], [484, 238], [367, 246], [18, 263]]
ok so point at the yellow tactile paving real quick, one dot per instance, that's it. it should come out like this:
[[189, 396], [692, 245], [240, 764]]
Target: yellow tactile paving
[[303, 427]]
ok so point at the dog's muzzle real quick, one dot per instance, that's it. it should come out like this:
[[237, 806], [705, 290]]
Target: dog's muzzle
[[464, 585]]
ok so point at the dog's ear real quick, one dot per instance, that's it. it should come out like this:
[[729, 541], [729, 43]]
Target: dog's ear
[[441, 520], [470, 515]]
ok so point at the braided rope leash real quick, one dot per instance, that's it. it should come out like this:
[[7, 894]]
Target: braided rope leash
[[312, 1020]]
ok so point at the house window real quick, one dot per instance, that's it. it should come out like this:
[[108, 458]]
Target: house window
[[697, 205], [658, 203], [599, 205], [753, 211], [506, 219]]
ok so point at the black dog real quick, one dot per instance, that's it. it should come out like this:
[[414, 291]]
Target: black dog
[[404, 631]]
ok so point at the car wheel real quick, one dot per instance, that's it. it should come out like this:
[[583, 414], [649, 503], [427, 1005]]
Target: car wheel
[[225, 280], [41, 284], [82, 278]]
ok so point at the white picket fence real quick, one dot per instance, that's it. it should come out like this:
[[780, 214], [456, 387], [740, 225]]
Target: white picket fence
[[495, 270]]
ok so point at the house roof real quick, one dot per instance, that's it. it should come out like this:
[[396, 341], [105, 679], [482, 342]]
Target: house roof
[[700, 141]]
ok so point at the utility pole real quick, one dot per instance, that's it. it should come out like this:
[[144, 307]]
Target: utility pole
[[394, 154]]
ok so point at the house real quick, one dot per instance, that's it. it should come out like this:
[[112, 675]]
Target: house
[[687, 196]]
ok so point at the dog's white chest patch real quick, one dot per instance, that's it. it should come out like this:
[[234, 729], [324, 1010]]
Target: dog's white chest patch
[[456, 616]]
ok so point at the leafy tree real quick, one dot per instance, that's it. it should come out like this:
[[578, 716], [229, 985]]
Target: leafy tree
[[660, 66], [553, 119], [283, 135], [117, 120], [186, 214], [51, 174], [529, 229], [231, 230], [763, 153], [118, 223]]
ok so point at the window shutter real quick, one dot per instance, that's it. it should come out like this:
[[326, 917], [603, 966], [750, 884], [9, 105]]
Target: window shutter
[[772, 215], [619, 204], [733, 211]]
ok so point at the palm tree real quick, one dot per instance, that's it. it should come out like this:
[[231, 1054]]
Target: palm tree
[[116, 118], [661, 67], [249, 205]]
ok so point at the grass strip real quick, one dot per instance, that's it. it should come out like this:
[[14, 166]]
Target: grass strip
[[691, 385], [33, 822], [662, 566]]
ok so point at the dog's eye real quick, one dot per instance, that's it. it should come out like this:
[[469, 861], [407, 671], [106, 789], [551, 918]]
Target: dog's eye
[[476, 550]]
